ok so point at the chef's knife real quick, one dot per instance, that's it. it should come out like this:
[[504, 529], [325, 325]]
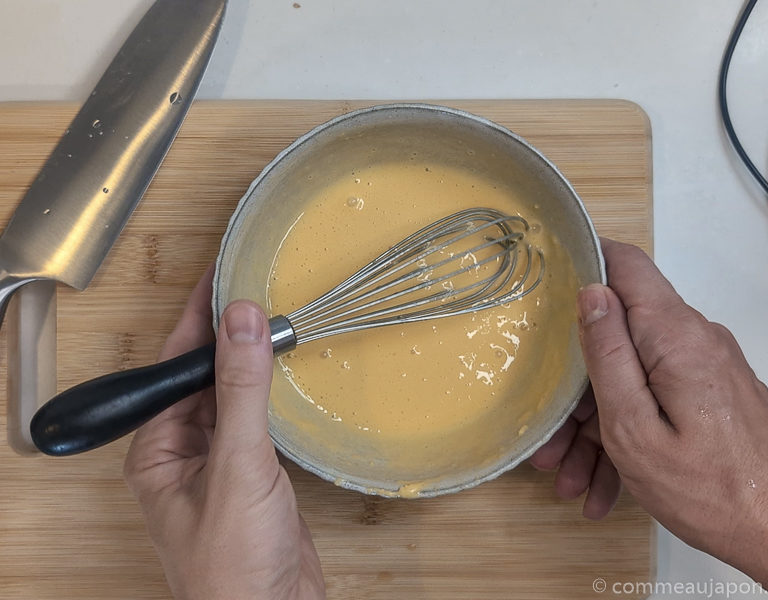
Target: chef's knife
[[96, 175]]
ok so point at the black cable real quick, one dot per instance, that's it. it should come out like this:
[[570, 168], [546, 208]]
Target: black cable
[[723, 100]]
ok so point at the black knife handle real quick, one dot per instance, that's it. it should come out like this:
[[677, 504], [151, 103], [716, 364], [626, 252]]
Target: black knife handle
[[104, 409]]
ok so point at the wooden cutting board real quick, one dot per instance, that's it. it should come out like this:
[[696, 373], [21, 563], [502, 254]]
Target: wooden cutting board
[[69, 527]]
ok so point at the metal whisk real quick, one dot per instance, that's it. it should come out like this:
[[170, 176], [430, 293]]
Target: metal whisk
[[468, 261], [396, 287]]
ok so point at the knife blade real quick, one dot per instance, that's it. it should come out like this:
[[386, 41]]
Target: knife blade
[[93, 179]]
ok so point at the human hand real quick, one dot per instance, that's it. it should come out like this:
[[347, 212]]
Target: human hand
[[576, 451], [220, 509], [682, 414]]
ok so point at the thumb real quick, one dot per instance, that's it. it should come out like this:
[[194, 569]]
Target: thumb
[[243, 378], [617, 375]]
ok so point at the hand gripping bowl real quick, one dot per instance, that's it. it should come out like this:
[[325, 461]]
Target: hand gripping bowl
[[456, 459]]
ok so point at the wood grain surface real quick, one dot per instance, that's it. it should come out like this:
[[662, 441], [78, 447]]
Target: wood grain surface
[[69, 527]]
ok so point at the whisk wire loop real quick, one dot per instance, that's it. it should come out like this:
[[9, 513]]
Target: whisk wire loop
[[407, 252], [352, 301], [396, 286]]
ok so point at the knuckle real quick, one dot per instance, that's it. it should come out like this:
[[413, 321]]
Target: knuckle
[[617, 358], [716, 353], [724, 353], [684, 348], [236, 376], [619, 433], [704, 345], [611, 346], [687, 344], [621, 251], [722, 336], [616, 433], [571, 485], [608, 358], [633, 252], [631, 436]]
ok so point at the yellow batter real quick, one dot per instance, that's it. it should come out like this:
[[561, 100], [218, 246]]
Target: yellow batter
[[419, 379]]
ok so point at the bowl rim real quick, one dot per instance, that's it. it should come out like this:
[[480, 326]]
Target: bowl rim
[[495, 468]]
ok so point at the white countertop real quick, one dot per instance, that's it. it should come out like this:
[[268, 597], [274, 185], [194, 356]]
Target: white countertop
[[711, 221]]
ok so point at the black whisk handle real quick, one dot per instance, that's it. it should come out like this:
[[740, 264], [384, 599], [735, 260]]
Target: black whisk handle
[[104, 409]]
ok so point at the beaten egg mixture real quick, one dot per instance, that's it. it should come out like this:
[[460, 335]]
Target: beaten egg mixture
[[418, 379]]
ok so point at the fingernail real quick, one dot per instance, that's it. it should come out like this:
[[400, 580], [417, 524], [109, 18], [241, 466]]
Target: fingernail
[[593, 303], [243, 322]]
